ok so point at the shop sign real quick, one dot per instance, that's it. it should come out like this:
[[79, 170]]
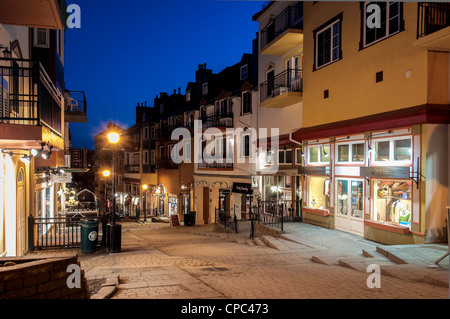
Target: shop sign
[[314, 170], [225, 192], [385, 172], [244, 188], [62, 178]]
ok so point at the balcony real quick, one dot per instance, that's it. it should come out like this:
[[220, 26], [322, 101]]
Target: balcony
[[50, 14], [433, 26], [131, 168], [222, 119], [30, 110], [283, 90], [213, 163], [283, 33], [75, 110]]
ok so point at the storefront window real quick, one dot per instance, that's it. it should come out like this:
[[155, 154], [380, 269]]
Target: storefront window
[[319, 192], [382, 151], [350, 197], [173, 205], [392, 202], [319, 154], [402, 150], [394, 150], [351, 153]]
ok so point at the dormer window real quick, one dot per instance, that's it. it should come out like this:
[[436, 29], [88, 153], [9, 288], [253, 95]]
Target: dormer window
[[205, 88], [244, 72], [188, 96]]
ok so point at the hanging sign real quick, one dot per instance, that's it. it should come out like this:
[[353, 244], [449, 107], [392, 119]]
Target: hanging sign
[[385, 172], [243, 188], [62, 178]]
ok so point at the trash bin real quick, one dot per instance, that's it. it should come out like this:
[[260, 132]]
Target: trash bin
[[113, 238], [89, 235], [189, 219]]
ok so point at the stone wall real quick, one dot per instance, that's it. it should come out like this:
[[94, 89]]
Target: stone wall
[[39, 277]]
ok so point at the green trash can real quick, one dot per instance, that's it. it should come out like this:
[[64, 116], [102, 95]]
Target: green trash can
[[89, 235]]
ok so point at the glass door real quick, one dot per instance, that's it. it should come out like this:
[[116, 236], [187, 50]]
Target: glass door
[[350, 205]]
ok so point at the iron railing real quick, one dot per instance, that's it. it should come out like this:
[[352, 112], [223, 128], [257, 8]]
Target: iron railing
[[57, 232], [290, 80], [225, 162], [27, 95], [221, 119], [290, 18], [276, 213], [226, 220], [432, 17]]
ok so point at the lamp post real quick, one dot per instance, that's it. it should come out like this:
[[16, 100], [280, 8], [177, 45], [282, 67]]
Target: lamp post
[[114, 230], [144, 188], [106, 173]]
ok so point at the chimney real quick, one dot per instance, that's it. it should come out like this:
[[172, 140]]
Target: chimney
[[200, 66], [145, 103], [204, 65], [179, 90]]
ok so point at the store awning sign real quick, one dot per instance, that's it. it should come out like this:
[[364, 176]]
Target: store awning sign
[[385, 172], [243, 188], [314, 170]]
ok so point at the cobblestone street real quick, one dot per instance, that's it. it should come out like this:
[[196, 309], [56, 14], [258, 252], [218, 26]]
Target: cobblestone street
[[159, 261]]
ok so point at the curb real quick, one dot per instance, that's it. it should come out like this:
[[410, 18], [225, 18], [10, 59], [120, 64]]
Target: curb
[[109, 288]]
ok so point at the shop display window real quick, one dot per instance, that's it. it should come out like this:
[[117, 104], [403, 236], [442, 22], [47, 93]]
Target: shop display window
[[319, 154], [348, 153], [319, 192], [394, 150], [392, 202]]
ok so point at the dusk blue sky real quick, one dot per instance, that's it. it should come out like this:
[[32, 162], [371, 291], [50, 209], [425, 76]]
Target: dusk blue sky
[[129, 52]]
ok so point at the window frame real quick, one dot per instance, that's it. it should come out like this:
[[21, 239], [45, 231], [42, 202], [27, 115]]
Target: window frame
[[244, 111], [243, 75], [350, 153], [401, 24], [285, 152], [391, 161], [319, 30], [46, 45], [320, 147]]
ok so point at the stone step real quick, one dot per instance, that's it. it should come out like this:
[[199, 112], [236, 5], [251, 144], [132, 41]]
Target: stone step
[[276, 243]]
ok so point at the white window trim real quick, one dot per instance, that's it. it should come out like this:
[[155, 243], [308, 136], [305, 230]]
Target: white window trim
[[146, 158], [387, 24], [153, 157], [244, 136], [47, 39], [391, 161], [350, 153], [320, 162], [284, 151], [329, 26]]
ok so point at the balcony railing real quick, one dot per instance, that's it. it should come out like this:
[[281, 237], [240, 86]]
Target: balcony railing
[[290, 80], [223, 119], [131, 168], [432, 17], [27, 95], [290, 18], [76, 106], [214, 163]]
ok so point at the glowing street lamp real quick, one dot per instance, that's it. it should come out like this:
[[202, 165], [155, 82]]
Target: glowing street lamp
[[113, 137], [114, 230], [106, 172]]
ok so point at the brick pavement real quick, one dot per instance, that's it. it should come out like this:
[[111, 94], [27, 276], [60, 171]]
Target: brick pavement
[[159, 261], [195, 262]]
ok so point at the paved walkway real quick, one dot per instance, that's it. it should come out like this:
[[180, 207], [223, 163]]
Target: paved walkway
[[158, 261]]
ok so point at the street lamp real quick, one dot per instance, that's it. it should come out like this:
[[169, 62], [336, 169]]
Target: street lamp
[[114, 230], [145, 187]]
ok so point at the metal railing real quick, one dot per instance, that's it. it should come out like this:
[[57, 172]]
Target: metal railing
[[290, 80], [57, 232], [216, 163], [221, 119], [432, 17], [226, 220], [27, 95], [290, 18], [276, 213], [75, 101]]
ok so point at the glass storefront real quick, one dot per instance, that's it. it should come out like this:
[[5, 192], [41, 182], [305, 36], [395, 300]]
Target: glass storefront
[[392, 201], [318, 192], [350, 197]]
